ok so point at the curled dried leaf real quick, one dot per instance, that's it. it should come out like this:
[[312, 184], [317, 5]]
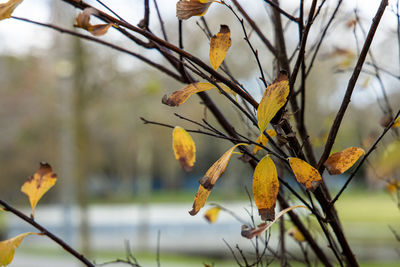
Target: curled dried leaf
[[184, 148], [210, 178], [83, 21], [263, 139], [265, 188], [273, 100], [186, 9], [305, 174], [177, 98], [249, 233], [340, 162], [7, 248], [6, 9], [211, 215], [38, 184], [219, 45]]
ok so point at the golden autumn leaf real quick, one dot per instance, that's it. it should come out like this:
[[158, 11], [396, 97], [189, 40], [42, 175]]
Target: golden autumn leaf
[[6, 9], [83, 21], [388, 161], [273, 100], [7, 248], [263, 139], [396, 123], [186, 9], [392, 188], [305, 174], [38, 184], [296, 234], [211, 215], [262, 227], [177, 98], [340, 162], [210, 178], [265, 188], [219, 45], [184, 148]]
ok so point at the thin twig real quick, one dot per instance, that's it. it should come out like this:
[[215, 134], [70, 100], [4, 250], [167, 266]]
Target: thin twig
[[100, 41], [283, 12], [164, 32], [255, 27], [47, 233], [247, 39], [350, 87], [372, 148]]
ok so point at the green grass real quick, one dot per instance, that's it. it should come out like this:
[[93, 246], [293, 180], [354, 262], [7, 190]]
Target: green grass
[[368, 207], [365, 216]]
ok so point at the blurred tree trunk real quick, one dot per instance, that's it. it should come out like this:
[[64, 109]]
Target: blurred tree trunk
[[81, 141], [64, 71]]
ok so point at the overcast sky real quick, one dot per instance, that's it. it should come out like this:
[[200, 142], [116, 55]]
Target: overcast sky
[[19, 37]]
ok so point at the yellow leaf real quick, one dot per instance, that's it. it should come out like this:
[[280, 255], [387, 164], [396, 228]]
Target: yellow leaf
[[7, 248], [177, 98], [273, 100], [296, 234], [219, 45], [186, 9], [340, 162], [265, 188], [6, 9], [261, 228], [83, 21], [184, 148], [211, 215], [38, 184], [210, 178], [396, 123], [388, 161], [262, 139], [391, 188], [305, 174]]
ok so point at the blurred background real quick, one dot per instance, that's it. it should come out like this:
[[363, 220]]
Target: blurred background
[[77, 105]]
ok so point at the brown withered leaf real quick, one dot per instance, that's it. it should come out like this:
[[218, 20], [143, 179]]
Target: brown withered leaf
[[263, 139], [305, 174], [340, 162], [177, 98], [211, 215], [6, 9], [273, 100], [219, 46], [210, 178], [184, 148], [83, 21], [265, 188], [186, 9], [249, 233], [38, 184]]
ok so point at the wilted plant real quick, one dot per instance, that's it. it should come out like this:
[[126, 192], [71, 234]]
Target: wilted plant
[[281, 109]]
